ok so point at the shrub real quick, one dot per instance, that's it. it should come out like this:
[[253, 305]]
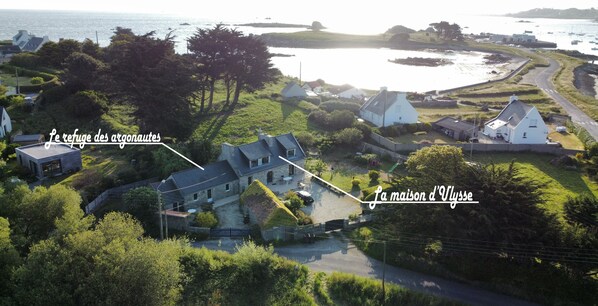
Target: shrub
[[319, 117], [89, 103], [25, 60], [349, 136], [374, 175], [364, 128], [56, 94], [293, 202], [355, 183], [36, 80], [306, 139], [206, 219], [333, 105], [340, 119]]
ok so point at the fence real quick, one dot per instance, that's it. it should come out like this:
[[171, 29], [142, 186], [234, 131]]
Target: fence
[[112, 193], [388, 146], [284, 233]]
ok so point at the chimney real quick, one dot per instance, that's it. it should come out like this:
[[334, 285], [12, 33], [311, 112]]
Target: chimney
[[227, 151], [263, 136], [513, 98]]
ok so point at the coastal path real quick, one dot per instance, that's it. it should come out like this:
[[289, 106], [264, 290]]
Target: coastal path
[[542, 78]]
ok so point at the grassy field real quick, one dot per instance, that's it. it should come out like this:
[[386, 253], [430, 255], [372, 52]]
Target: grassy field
[[254, 111], [559, 183], [10, 80]]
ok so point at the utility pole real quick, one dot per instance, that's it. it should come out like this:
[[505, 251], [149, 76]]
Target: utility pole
[[475, 127], [166, 219], [17, 78], [384, 109], [300, 73], [384, 275], [97, 40], [160, 209]]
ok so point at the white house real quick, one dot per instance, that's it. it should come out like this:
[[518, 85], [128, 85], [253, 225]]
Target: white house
[[292, 90], [518, 123], [313, 86], [388, 108], [28, 42], [352, 93], [5, 125]]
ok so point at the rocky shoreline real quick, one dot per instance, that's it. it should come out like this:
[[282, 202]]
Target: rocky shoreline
[[586, 79]]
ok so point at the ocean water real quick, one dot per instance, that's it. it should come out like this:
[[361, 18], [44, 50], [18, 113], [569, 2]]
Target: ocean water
[[357, 67]]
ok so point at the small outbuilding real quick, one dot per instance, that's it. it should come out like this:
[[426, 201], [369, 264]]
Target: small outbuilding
[[456, 129], [24, 140], [45, 162]]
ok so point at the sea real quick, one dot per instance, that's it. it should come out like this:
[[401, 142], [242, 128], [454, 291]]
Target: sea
[[364, 68]]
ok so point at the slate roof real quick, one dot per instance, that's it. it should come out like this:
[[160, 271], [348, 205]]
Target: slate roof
[[255, 150], [454, 124], [27, 138], [169, 192], [513, 113], [240, 162], [191, 180], [377, 105], [33, 44], [9, 49]]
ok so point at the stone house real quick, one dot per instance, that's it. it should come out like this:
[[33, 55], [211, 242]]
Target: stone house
[[237, 167]]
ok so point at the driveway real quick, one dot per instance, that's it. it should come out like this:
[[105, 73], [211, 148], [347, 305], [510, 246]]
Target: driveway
[[328, 205], [339, 254], [230, 216]]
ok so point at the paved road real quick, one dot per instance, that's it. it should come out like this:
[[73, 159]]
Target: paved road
[[341, 255], [543, 79]]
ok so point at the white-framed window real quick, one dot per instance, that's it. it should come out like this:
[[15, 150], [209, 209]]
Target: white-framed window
[[265, 160], [524, 134], [195, 196], [291, 153], [253, 163], [227, 187]]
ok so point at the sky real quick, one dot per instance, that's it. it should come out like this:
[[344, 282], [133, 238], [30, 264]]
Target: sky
[[314, 8]]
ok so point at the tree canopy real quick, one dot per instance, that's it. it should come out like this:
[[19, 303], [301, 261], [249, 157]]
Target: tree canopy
[[447, 31]]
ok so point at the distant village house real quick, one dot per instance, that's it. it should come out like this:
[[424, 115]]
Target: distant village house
[[388, 108], [28, 42], [5, 124]]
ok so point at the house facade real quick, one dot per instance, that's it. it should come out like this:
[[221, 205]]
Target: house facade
[[28, 42], [237, 167], [293, 90], [48, 162], [518, 123], [388, 108], [352, 93], [5, 124], [313, 86]]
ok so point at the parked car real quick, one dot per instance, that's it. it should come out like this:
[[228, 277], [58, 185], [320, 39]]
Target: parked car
[[305, 196], [474, 140]]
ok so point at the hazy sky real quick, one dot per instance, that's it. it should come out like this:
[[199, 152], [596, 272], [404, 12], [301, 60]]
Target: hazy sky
[[314, 8]]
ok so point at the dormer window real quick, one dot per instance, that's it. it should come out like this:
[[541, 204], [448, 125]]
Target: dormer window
[[265, 160], [291, 153], [253, 163]]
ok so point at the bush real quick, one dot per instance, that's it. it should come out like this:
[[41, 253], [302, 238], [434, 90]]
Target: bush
[[355, 183], [206, 219], [56, 94], [349, 136], [319, 117], [333, 105], [293, 202], [25, 60], [340, 119], [306, 139], [374, 175], [89, 103], [36, 80]]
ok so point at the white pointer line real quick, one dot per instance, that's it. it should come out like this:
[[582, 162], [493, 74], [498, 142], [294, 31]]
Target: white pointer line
[[375, 202], [120, 144]]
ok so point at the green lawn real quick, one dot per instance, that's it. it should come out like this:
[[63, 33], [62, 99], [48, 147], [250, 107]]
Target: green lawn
[[559, 183], [254, 111], [431, 136], [11, 80]]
